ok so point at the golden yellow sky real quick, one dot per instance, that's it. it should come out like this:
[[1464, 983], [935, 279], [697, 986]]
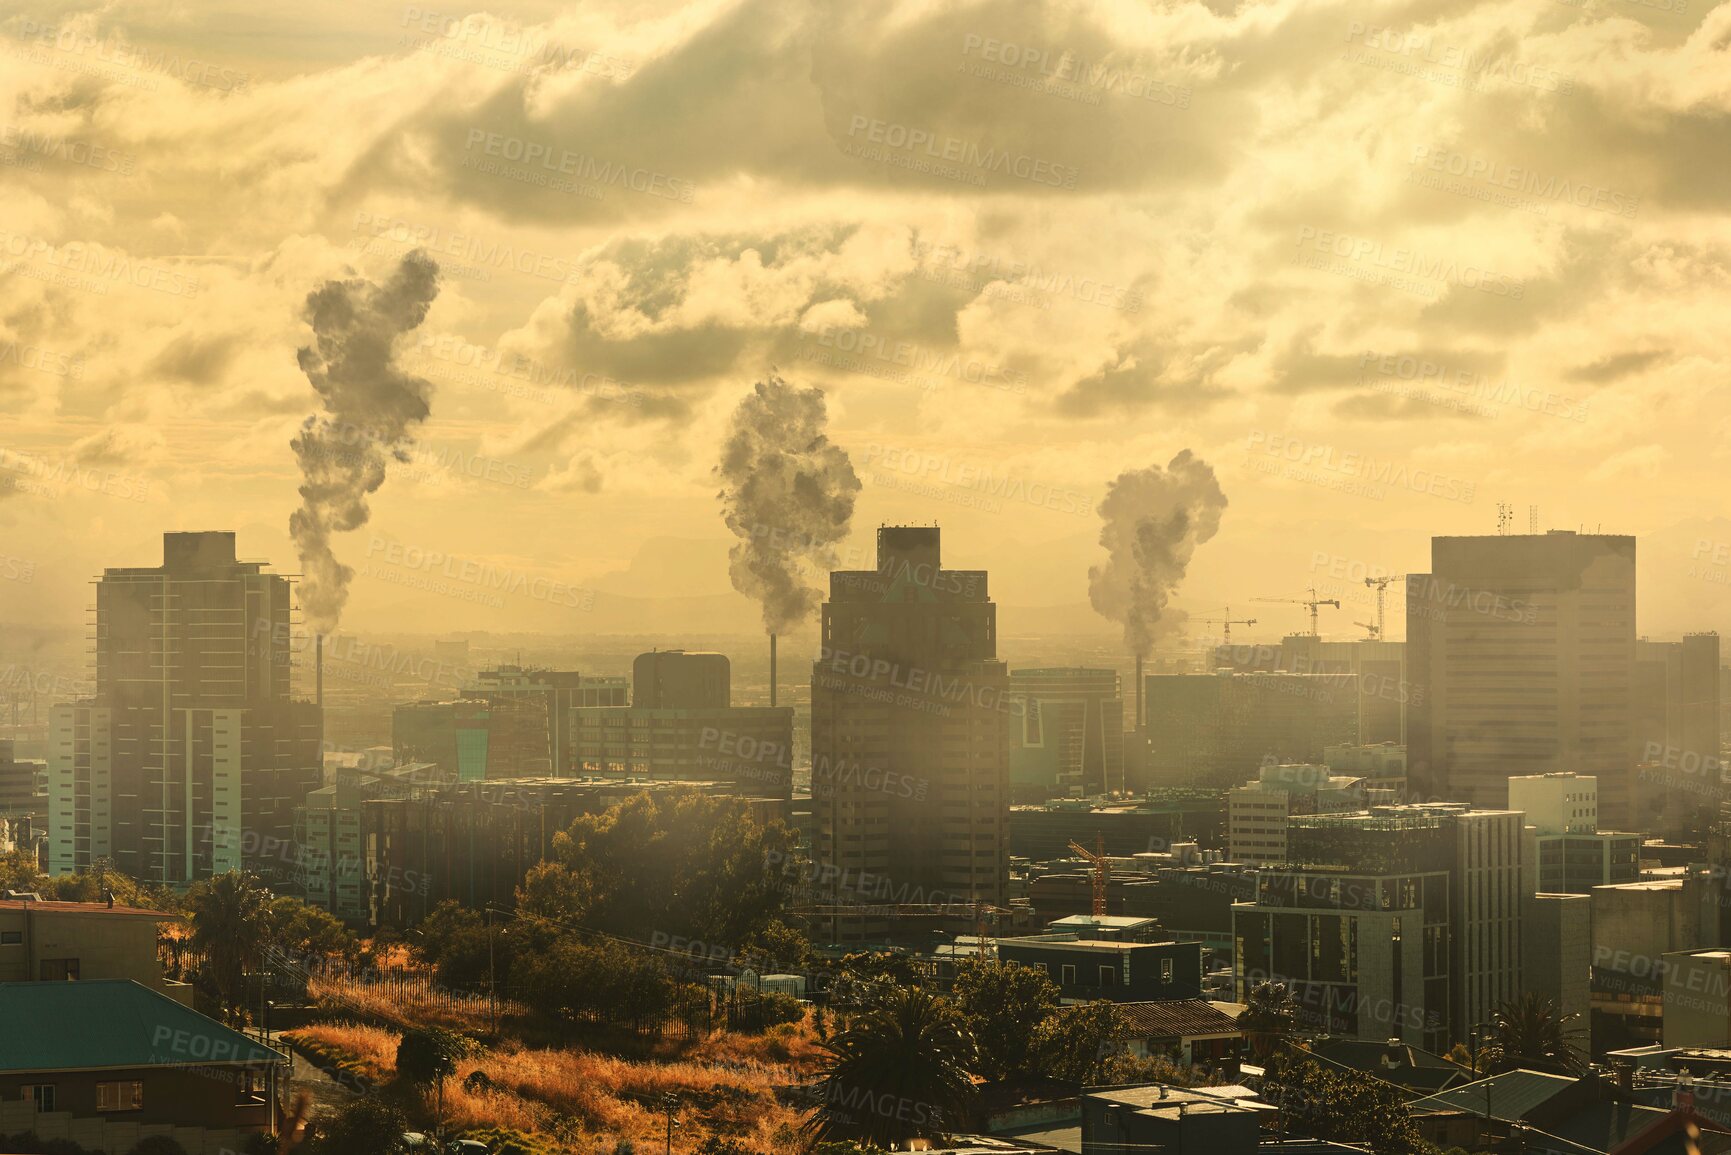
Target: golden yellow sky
[[1383, 265]]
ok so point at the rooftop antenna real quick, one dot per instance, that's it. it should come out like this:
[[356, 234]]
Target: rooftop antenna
[[1505, 515], [1532, 519]]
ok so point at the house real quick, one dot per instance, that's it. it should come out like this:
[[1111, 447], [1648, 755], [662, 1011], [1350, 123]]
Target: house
[[49, 941], [1091, 969], [105, 1061], [1185, 1030]]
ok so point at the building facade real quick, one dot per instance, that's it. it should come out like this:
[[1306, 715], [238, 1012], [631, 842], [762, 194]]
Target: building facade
[[910, 751], [192, 757], [1067, 738], [1521, 655]]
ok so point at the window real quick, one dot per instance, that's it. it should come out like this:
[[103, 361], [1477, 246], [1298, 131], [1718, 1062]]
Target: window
[[11, 938], [1069, 979], [1108, 976], [1165, 970], [249, 1087], [125, 1096], [42, 1094]]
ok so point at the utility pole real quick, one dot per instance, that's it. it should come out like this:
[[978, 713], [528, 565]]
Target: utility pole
[[669, 1102], [492, 980]]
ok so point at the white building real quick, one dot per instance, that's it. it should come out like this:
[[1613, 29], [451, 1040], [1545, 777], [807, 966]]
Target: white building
[[1257, 812]]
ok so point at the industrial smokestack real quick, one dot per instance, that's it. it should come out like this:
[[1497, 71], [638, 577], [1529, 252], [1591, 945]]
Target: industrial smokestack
[[319, 671], [1141, 698], [772, 669]]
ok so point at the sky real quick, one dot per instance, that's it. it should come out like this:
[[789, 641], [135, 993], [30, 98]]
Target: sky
[[1385, 267]]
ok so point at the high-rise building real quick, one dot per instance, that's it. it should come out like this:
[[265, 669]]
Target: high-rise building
[[1566, 852], [1377, 669], [23, 785], [191, 757], [530, 719], [1521, 656], [1067, 736], [1400, 922], [1681, 780], [910, 751], [681, 680]]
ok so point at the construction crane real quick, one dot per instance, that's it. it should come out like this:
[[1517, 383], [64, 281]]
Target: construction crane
[[1226, 623], [1380, 633], [1310, 603], [1097, 857]]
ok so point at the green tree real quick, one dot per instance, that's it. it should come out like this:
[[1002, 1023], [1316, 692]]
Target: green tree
[[899, 1072], [230, 925], [305, 930], [1528, 1031], [1268, 1018], [1343, 1106], [460, 947], [680, 862], [1004, 1005], [368, 1125], [605, 980], [1073, 1043], [427, 1056]]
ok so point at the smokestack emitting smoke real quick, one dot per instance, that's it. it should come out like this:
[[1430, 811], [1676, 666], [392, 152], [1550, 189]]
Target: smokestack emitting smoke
[[1154, 520], [787, 493], [370, 406]]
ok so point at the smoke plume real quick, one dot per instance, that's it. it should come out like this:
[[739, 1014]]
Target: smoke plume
[[787, 493], [1155, 518], [370, 406]]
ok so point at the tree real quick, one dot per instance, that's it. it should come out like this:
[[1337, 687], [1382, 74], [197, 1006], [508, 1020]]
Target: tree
[[1343, 1106], [229, 927], [1528, 1031], [462, 950], [306, 931], [1003, 1005], [429, 1055], [682, 861], [368, 1125], [1268, 1018], [1073, 1043], [605, 980], [899, 1072]]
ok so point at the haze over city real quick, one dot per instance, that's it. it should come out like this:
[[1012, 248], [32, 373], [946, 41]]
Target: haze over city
[[778, 577]]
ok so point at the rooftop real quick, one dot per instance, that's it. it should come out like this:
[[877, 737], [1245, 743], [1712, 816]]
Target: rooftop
[[56, 907], [112, 1024]]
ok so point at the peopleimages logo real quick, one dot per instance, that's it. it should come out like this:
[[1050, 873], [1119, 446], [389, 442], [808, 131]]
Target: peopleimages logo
[[956, 150], [1373, 253]]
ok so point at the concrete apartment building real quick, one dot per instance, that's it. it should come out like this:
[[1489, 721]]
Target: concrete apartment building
[[191, 757], [910, 751], [1257, 812], [1521, 659], [1067, 738]]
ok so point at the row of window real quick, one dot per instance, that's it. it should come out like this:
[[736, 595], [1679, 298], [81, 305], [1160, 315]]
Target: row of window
[[122, 1095]]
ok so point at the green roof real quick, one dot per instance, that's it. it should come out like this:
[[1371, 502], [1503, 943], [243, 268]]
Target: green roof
[[115, 1023]]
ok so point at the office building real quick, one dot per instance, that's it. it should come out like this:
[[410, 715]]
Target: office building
[[192, 757], [23, 784], [1382, 765], [910, 753], [1681, 782], [1376, 670], [331, 849], [1087, 970], [1634, 925], [1066, 733], [1566, 851], [1257, 812], [681, 727], [1401, 922], [1521, 656], [1556, 952], [453, 735], [1217, 728], [529, 730], [1043, 832]]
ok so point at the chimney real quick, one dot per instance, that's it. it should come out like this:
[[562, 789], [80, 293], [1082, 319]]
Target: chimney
[[1141, 711], [319, 671], [772, 669]]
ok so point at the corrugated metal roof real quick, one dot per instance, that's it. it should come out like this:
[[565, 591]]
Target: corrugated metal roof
[[1177, 1017], [1510, 1095], [68, 1026]]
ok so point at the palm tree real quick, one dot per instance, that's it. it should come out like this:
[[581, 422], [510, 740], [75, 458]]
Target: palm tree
[[229, 915], [900, 1071], [1529, 1031], [1269, 1016]]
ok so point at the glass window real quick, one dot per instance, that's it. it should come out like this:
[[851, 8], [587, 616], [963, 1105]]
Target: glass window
[[42, 1094], [122, 1096], [11, 938]]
